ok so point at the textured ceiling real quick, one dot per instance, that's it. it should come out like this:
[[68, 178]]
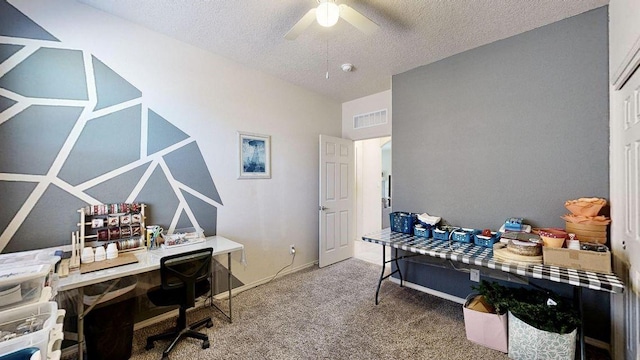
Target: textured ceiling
[[412, 33]]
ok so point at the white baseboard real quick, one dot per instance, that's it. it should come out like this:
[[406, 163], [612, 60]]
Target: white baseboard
[[225, 295], [597, 343], [588, 340]]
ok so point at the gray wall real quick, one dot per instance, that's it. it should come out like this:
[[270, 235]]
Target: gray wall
[[512, 128]]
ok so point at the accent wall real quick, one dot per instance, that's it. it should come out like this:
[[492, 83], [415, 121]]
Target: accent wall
[[95, 109], [512, 128]]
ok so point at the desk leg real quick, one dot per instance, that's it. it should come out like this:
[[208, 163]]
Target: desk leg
[[80, 323], [577, 295], [229, 276], [229, 283]]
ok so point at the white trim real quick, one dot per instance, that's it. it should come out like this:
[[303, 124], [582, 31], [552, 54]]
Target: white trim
[[627, 67], [239, 289], [597, 343], [437, 293]]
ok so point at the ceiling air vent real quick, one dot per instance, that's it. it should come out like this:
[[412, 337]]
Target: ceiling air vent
[[370, 119]]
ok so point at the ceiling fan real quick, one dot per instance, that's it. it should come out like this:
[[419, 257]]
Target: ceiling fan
[[327, 14]]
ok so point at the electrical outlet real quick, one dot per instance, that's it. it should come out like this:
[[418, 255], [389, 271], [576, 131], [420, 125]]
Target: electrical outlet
[[474, 274], [292, 249]]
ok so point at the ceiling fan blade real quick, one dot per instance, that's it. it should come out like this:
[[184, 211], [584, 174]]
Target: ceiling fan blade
[[301, 25], [358, 20]]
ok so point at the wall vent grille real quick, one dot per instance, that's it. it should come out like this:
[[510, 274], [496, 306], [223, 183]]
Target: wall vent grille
[[374, 118]]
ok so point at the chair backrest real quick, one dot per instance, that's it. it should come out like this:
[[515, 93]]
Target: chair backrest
[[184, 270]]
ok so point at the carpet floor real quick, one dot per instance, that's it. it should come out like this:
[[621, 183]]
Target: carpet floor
[[328, 313]]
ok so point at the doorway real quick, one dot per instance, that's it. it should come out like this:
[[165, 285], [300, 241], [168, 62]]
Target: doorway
[[373, 194]]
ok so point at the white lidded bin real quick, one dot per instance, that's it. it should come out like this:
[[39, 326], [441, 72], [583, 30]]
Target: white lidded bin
[[21, 285], [34, 257], [31, 325]]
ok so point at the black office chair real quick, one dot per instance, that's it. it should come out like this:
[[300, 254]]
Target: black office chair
[[184, 277]]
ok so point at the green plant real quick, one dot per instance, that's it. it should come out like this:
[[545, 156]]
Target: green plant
[[540, 309]]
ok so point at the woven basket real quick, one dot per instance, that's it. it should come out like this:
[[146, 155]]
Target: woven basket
[[588, 232]]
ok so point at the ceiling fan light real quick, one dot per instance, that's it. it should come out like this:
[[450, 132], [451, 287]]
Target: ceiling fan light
[[327, 13]]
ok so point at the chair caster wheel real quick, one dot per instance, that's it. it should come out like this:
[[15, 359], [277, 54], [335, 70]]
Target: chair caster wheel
[[209, 324], [205, 344], [165, 357], [149, 345]]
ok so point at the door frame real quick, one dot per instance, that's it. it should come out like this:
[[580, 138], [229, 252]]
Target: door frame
[[624, 225]]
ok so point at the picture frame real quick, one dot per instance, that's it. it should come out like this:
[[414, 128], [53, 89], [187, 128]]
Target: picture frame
[[254, 156]]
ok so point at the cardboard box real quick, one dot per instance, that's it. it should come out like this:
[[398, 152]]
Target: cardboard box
[[577, 259], [478, 303]]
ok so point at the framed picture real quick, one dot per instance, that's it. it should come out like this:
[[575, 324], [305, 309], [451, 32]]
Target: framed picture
[[255, 156]]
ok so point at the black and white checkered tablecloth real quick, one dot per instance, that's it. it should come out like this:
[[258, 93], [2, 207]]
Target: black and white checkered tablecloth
[[469, 253]]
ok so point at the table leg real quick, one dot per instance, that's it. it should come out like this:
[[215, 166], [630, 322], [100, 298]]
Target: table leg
[[384, 262], [80, 322], [577, 295], [395, 258]]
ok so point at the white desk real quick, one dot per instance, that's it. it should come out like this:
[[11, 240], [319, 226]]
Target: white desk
[[147, 261]]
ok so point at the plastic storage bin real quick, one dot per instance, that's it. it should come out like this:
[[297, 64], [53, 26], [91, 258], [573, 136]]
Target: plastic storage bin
[[24, 354], [424, 232], [440, 234], [402, 222], [486, 241], [184, 236], [35, 257], [464, 235], [39, 318], [21, 285]]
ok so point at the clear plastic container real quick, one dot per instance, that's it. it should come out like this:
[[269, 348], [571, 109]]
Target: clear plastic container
[[21, 285], [35, 257], [30, 325], [184, 236]]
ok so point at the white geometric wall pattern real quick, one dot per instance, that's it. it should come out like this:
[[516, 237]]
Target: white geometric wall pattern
[[73, 132]]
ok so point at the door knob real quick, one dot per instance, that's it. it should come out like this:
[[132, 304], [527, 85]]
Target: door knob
[[322, 208]]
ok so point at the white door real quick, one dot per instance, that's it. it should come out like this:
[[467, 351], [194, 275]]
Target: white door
[[336, 208], [625, 213]]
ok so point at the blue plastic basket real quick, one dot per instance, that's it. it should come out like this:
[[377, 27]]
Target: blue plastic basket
[[486, 241], [464, 235], [439, 234], [402, 222], [513, 224], [424, 232]]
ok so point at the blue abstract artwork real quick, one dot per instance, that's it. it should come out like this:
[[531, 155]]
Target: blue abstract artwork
[[254, 156]]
